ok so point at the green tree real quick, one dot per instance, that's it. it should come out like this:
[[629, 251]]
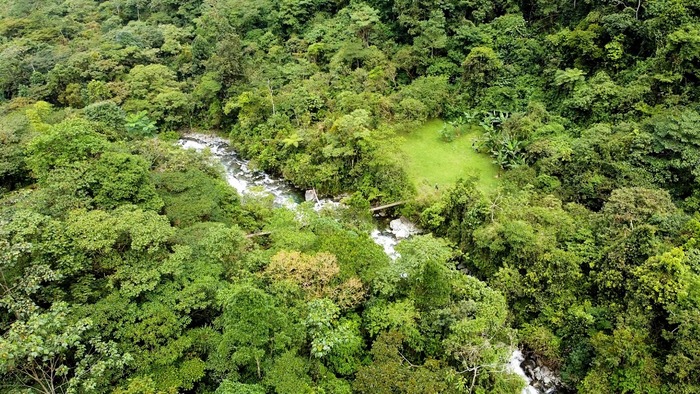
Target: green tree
[[229, 387], [481, 66], [253, 328], [481, 342], [288, 375], [140, 125], [108, 114], [335, 340], [67, 142], [391, 372], [52, 352], [123, 179], [432, 34], [365, 19]]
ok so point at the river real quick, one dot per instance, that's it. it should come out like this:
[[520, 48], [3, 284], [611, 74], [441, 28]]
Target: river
[[246, 181]]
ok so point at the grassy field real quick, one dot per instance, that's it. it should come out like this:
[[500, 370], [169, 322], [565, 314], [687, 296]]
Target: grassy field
[[431, 161]]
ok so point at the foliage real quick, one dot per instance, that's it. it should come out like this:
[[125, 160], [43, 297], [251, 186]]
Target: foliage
[[139, 125], [124, 262], [51, 351]]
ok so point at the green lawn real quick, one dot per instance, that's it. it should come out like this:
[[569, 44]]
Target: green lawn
[[431, 161]]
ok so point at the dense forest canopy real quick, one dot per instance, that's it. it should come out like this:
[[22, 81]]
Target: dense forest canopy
[[127, 264]]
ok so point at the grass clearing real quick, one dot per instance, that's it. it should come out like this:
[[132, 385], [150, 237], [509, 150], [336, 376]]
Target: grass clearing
[[430, 161]]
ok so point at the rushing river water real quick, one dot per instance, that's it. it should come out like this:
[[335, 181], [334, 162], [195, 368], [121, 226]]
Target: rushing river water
[[247, 181]]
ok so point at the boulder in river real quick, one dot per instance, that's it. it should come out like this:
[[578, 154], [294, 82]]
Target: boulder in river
[[310, 195], [403, 228]]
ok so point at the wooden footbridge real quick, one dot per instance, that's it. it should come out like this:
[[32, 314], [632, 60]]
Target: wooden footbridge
[[393, 204]]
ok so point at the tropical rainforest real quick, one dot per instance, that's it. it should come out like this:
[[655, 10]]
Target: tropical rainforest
[[128, 265]]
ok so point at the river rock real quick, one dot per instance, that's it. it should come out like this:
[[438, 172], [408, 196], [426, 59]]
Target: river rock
[[310, 195], [403, 228]]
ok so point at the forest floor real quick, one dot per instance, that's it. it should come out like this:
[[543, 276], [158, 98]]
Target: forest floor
[[434, 164]]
